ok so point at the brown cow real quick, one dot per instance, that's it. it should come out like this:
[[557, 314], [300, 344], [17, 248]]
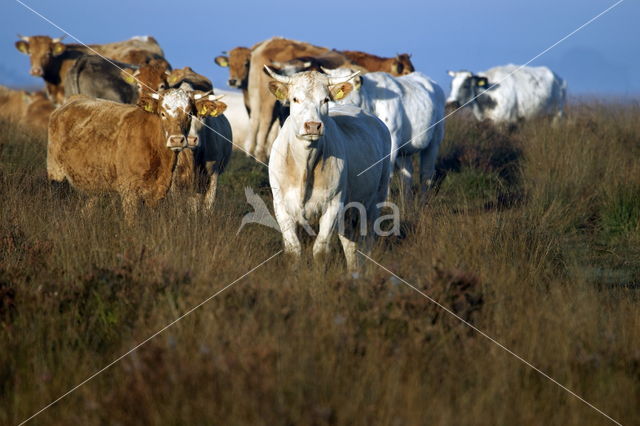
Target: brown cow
[[105, 146], [238, 63], [400, 65], [30, 109], [51, 59]]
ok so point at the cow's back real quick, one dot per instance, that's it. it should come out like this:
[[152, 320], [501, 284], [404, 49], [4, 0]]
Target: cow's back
[[94, 142], [96, 77], [365, 140]]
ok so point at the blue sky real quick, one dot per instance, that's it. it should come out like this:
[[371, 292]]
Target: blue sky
[[603, 58]]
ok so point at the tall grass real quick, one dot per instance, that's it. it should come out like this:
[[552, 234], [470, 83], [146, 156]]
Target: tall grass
[[532, 235]]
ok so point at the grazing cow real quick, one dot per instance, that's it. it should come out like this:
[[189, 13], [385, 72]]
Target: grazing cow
[[507, 94], [97, 77], [316, 158], [210, 155], [51, 59], [412, 107], [30, 109], [105, 146], [400, 65]]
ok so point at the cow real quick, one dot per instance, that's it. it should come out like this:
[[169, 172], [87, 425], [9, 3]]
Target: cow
[[105, 146], [397, 66], [412, 107], [315, 161], [51, 59], [508, 94], [263, 109], [30, 109], [238, 62], [97, 77], [213, 136]]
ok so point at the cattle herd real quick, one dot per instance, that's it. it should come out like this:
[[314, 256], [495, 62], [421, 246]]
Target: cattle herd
[[332, 124]]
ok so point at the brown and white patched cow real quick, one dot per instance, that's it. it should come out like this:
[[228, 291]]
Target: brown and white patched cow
[[104, 146], [51, 59]]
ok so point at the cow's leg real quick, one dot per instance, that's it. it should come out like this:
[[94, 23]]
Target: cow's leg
[[210, 196], [271, 137], [287, 227], [405, 173], [265, 118], [328, 223], [350, 248], [130, 206], [252, 131], [428, 158], [89, 206]]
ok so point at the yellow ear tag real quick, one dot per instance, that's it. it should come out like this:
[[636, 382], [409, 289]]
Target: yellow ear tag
[[148, 108], [129, 78], [481, 83], [58, 49], [279, 95], [203, 110], [224, 63], [172, 79], [214, 112], [23, 47], [339, 95]]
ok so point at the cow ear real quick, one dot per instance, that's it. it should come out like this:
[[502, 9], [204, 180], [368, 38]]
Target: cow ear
[[279, 90], [172, 79], [223, 61], [128, 77], [210, 108], [58, 48], [339, 91], [22, 46], [148, 104]]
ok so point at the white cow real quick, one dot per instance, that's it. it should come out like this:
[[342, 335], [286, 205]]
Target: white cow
[[412, 107], [315, 161], [237, 115], [518, 94]]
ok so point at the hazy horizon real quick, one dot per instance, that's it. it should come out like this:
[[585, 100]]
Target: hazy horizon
[[600, 60]]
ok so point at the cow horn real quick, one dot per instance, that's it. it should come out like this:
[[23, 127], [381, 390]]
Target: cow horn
[[281, 78], [214, 98], [58, 39], [338, 80], [202, 95], [23, 38]]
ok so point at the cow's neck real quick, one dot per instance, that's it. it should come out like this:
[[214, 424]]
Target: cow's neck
[[305, 158], [482, 104]]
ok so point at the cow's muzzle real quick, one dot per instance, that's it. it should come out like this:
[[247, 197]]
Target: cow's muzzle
[[233, 82], [176, 142], [193, 142], [36, 71]]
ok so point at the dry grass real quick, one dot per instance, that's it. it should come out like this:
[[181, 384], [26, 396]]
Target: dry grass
[[533, 235]]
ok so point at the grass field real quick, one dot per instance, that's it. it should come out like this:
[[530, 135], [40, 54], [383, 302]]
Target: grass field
[[532, 235]]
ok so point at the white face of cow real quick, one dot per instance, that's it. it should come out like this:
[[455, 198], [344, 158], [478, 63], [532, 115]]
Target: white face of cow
[[175, 107], [309, 94], [457, 82]]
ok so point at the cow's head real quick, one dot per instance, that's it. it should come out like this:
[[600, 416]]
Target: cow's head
[[402, 65], [149, 77], [238, 63], [309, 94], [41, 51], [176, 108], [465, 87]]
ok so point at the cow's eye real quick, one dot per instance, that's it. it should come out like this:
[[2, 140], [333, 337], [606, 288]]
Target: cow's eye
[[296, 100], [325, 100], [162, 86], [163, 115]]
